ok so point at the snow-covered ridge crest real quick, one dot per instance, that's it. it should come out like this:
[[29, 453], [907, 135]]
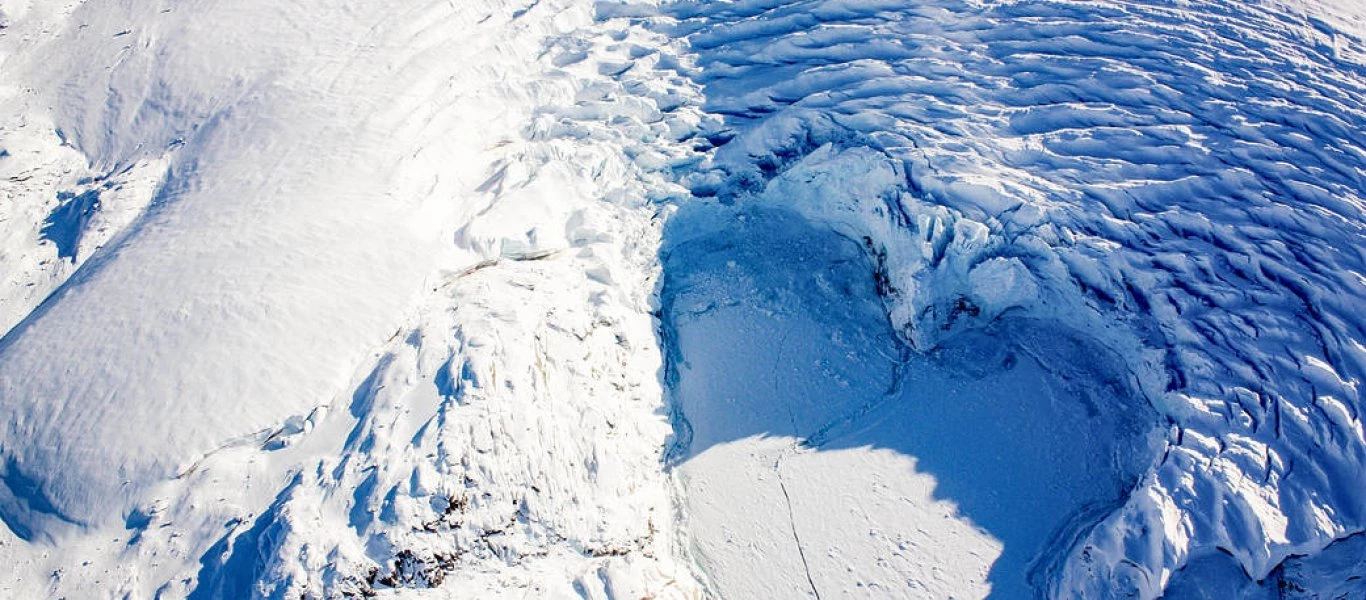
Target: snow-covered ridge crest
[[395, 295], [225, 242], [300, 155]]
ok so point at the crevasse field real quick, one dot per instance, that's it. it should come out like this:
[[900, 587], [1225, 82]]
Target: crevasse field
[[630, 299]]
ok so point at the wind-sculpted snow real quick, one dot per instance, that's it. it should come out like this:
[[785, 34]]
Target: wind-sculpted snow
[[506, 436], [162, 328], [1183, 183], [383, 323], [311, 300]]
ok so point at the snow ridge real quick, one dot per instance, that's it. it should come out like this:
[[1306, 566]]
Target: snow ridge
[[508, 433]]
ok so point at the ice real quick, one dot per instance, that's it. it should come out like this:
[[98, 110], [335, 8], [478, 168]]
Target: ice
[[1178, 185], [997, 450], [381, 320], [676, 299]]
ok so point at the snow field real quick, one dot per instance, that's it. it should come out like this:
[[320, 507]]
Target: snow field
[[465, 199], [394, 293]]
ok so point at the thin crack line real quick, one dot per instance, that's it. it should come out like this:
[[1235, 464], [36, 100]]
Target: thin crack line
[[777, 363], [845, 424], [792, 524]]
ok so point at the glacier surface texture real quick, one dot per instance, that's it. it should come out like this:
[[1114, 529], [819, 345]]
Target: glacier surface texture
[[683, 299]]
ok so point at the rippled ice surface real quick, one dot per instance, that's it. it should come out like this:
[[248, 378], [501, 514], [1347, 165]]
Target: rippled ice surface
[[1181, 185]]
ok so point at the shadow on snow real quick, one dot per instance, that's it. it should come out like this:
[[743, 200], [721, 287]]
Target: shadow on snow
[[774, 329]]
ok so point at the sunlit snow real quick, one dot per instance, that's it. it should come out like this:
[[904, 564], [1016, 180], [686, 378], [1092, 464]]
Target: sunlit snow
[[683, 298]]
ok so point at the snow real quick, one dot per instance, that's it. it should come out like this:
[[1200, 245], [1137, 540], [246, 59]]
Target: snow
[[1077, 164], [873, 456], [681, 299], [304, 365]]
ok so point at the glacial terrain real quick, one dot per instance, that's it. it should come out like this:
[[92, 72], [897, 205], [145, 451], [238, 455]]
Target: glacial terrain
[[683, 299]]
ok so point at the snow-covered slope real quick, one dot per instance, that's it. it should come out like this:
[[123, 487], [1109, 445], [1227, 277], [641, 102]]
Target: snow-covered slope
[[658, 299], [384, 317]]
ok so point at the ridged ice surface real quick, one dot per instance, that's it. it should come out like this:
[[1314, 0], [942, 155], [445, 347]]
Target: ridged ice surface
[[840, 298], [1181, 183]]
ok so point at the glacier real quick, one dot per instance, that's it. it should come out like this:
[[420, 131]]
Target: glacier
[[637, 298]]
